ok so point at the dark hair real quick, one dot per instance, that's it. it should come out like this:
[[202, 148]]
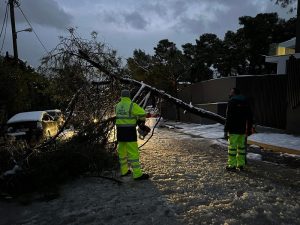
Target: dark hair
[[236, 91]]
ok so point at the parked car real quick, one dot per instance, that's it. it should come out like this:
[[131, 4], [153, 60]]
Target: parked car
[[33, 127], [57, 116]]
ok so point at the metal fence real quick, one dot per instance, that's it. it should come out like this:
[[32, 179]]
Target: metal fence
[[293, 82], [267, 95]]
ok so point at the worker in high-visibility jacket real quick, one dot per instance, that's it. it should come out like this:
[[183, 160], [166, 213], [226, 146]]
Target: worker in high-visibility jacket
[[128, 114], [237, 127]]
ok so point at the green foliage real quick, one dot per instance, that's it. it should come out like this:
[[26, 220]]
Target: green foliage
[[171, 63], [68, 72], [163, 70], [257, 32], [65, 74], [239, 53], [207, 53], [286, 3], [21, 88]]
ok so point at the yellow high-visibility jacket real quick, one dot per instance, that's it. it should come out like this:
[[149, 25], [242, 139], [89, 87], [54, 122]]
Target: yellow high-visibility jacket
[[127, 115]]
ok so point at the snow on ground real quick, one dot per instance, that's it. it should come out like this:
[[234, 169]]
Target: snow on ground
[[281, 140], [190, 174], [211, 131], [254, 156], [67, 134], [188, 185], [215, 131]]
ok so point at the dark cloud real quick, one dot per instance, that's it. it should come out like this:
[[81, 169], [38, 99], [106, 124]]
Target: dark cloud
[[179, 7], [193, 26], [224, 19], [117, 21], [229, 20], [157, 8], [111, 18], [135, 20], [44, 12]]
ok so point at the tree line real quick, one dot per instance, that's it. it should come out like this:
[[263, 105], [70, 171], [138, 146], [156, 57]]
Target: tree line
[[21, 88], [238, 53]]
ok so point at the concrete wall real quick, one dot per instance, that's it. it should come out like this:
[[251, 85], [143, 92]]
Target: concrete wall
[[210, 91]]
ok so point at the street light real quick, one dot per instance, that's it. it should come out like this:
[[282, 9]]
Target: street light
[[15, 36], [13, 26], [27, 30]]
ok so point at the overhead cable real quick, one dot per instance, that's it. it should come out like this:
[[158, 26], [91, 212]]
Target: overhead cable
[[4, 22], [33, 29]]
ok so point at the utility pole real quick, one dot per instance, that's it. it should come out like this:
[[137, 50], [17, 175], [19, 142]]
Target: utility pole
[[13, 28], [297, 47]]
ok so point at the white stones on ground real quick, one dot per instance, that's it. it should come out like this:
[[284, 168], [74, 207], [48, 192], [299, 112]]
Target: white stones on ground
[[254, 156]]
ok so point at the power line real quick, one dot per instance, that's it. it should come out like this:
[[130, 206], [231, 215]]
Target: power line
[[33, 29], [4, 21]]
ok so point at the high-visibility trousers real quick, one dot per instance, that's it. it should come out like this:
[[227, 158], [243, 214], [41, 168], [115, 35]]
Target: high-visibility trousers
[[129, 155], [237, 150]]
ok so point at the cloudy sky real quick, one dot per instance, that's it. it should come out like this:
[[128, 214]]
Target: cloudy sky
[[127, 24]]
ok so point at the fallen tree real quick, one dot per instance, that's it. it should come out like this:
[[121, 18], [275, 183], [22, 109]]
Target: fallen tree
[[96, 75], [188, 107]]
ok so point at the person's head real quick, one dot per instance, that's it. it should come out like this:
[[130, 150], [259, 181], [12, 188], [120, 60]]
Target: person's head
[[125, 93], [234, 91]]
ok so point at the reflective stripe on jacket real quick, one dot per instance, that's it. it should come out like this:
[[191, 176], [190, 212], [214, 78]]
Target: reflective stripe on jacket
[[127, 114]]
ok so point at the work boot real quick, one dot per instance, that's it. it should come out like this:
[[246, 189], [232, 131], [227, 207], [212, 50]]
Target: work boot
[[230, 169], [143, 177], [126, 174], [240, 168]]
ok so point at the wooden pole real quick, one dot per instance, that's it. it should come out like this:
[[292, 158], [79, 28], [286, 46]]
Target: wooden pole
[[13, 28], [297, 47]]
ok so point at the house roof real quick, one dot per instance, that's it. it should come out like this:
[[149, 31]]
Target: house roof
[[277, 58], [289, 43]]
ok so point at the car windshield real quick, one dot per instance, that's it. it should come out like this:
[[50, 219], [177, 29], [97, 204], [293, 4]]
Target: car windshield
[[55, 114]]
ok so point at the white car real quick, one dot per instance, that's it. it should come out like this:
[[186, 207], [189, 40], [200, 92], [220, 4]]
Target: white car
[[57, 116], [32, 126]]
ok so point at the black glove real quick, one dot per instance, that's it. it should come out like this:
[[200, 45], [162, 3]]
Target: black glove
[[143, 130], [140, 122]]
